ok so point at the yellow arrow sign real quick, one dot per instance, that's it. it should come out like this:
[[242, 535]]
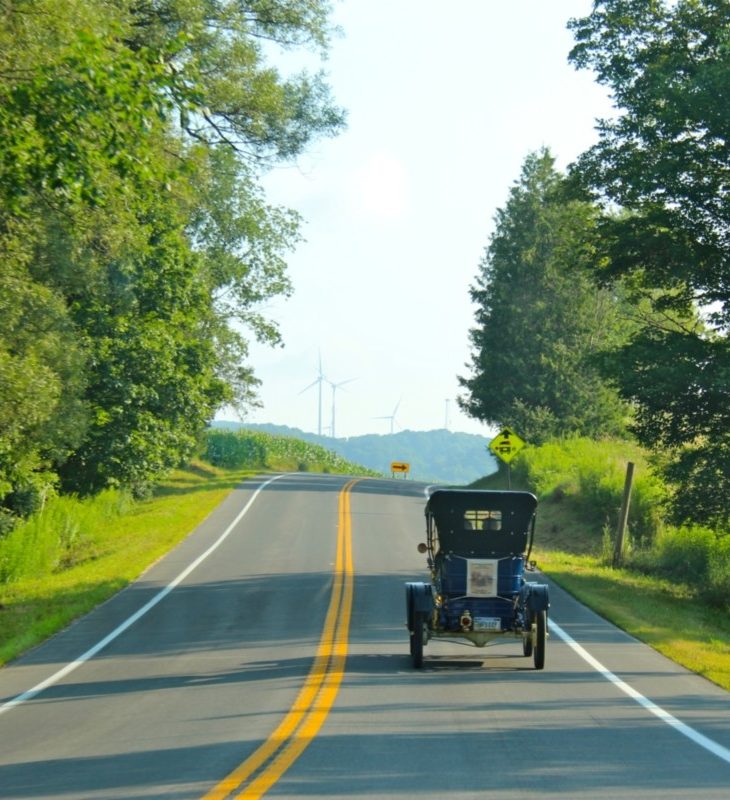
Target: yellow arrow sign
[[400, 466], [506, 444]]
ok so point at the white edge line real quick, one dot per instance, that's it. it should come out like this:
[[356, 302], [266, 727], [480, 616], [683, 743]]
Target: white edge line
[[698, 738], [100, 645]]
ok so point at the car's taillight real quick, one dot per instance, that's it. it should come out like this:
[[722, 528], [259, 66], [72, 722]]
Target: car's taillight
[[466, 621]]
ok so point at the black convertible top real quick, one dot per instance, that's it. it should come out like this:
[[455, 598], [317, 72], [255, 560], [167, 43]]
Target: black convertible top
[[481, 522]]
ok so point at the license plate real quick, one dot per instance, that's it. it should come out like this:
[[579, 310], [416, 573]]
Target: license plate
[[487, 624]]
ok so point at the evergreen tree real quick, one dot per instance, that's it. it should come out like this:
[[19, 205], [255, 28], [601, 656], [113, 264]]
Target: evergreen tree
[[539, 317]]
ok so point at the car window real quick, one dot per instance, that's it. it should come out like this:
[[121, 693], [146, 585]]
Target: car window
[[480, 519]]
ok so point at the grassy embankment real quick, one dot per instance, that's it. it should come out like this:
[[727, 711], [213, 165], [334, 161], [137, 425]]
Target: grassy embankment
[[77, 553], [671, 593]]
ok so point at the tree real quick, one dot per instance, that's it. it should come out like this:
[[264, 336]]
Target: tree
[[539, 318], [42, 414], [154, 382], [224, 88], [132, 139], [71, 112], [242, 243], [665, 160]]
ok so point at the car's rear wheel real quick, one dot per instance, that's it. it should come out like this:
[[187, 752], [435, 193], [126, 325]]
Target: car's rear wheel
[[527, 635], [540, 638], [419, 621], [409, 613]]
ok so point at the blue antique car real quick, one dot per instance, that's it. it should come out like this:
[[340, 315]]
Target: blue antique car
[[478, 546]]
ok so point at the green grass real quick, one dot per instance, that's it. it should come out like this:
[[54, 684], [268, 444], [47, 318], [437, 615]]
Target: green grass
[[117, 552], [666, 614], [661, 613]]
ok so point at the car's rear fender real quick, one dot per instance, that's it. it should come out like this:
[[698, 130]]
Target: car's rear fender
[[535, 596]]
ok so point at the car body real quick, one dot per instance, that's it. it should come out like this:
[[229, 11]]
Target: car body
[[478, 546]]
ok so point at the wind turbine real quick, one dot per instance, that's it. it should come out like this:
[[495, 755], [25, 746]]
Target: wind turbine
[[318, 380], [391, 417], [335, 387]]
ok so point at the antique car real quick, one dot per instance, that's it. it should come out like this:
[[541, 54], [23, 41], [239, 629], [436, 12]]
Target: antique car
[[478, 546]]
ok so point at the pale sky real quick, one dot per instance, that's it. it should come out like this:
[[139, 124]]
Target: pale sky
[[444, 102]]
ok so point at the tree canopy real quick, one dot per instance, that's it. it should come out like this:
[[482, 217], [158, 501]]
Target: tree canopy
[[665, 161], [136, 243]]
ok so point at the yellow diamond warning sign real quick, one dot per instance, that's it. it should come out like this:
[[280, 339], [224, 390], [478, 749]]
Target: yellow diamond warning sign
[[506, 444]]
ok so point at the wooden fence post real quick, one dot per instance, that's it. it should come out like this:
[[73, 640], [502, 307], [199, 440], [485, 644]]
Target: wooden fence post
[[623, 516]]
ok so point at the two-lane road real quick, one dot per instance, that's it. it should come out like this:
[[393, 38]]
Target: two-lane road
[[268, 655]]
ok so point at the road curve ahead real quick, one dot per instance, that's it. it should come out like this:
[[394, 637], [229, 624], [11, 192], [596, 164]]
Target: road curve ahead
[[267, 655]]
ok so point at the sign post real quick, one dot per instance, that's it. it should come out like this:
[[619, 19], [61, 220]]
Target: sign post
[[505, 445], [400, 466]]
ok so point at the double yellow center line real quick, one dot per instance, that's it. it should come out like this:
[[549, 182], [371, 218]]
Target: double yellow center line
[[263, 768]]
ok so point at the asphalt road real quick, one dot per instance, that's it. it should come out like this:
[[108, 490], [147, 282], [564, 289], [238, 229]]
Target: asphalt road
[[267, 655]]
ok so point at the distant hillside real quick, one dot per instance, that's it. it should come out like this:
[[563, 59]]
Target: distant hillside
[[441, 456]]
